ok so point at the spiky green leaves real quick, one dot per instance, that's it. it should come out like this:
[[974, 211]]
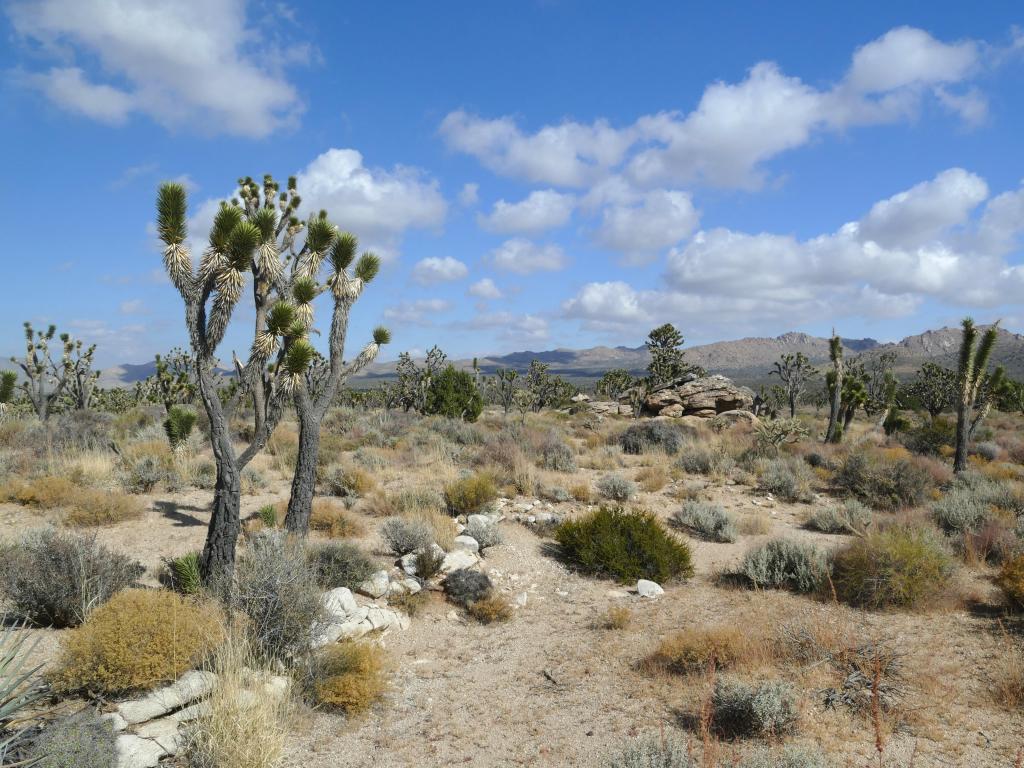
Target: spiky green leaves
[[178, 425], [280, 318], [320, 234], [367, 267], [241, 243], [171, 210], [265, 220], [227, 218], [304, 290], [381, 335], [8, 380], [298, 357], [967, 342], [343, 251]]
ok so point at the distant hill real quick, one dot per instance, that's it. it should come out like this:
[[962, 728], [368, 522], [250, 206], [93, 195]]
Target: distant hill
[[747, 361]]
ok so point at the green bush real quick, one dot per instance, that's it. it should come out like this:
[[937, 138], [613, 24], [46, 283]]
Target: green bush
[[703, 459], [644, 436], [404, 536], [616, 487], [902, 566], [80, 741], [454, 394], [971, 502], [882, 484], [470, 494], [178, 425], [767, 709], [706, 521], [932, 438], [653, 752], [785, 564], [624, 545], [185, 573], [465, 586], [55, 579], [849, 517], [340, 564], [789, 479], [556, 455]]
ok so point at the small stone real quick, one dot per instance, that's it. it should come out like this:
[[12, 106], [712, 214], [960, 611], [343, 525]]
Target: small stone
[[646, 588], [468, 543], [134, 752], [520, 600], [457, 559]]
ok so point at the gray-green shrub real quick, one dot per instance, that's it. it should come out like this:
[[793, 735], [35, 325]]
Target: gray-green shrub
[[79, 741], [768, 708], [787, 478], [486, 534], [849, 517], [789, 757], [703, 459], [465, 586], [340, 564], [785, 564], [644, 436], [653, 752], [556, 455], [404, 536], [616, 487], [706, 521]]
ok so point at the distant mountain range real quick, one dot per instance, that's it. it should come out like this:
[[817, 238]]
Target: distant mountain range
[[746, 361]]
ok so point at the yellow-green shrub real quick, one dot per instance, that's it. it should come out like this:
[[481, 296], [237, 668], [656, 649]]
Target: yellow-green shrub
[[332, 520], [468, 494], [1011, 581], [139, 639], [91, 508], [348, 676]]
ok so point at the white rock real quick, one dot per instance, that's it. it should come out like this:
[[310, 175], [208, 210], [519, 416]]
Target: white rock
[[646, 588], [192, 685], [520, 600], [459, 527], [467, 543], [375, 586], [479, 520], [117, 722], [339, 603], [134, 752], [411, 586], [458, 558], [163, 731], [408, 563]]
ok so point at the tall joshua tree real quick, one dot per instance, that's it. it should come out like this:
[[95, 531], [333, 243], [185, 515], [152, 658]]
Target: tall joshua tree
[[794, 371], [835, 350], [46, 381], [972, 378]]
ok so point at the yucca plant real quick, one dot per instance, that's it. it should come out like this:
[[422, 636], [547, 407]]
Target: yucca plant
[[977, 387], [18, 690], [186, 573], [8, 380], [46, 380], [178, 425]]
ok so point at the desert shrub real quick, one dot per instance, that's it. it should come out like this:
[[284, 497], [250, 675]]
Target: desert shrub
[[788, 479], [784, 564], [453, 393], [92, 508], [706, 521], [704, 459], [370, 458], [465, 586], [204, 475], [988, 450], [56, 579], [692, 650], [413, 500], [1011, 581], [971, 502], [270, 515], [616, 617], [276, 588], [554, 493], [244, 720], [428, 563], [849, 517], [623, 545], [470, 494], [45, 492], [768, 708], [178, 425], [616, 487], [252, 481], [82, 430], [933, 438], [652, 479], [901, 566], [352, 482], [80, 741], [184, 573], [653, 752], [144, 474], [348, 676], [139, 639], [582, 492], [644, 436], [405, 536], [789, 757], [486, 533], [491, 609], [340, 564], [556, 455], [880, 483], [333, 521], [458, 431]]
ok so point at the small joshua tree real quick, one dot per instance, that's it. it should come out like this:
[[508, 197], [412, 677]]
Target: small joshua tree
[[173, 380], [614, 383], [668, 361], [976, 385], [8, 381], [47, 381], [414, 382], [503, 387], [835, 349], [935, 388], [794, 371]]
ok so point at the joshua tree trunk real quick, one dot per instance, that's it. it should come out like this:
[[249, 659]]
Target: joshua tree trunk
[[960, 457], [832, 434], [300, 503]]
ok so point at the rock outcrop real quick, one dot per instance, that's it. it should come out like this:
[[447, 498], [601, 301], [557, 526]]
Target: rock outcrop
[[705, 397]]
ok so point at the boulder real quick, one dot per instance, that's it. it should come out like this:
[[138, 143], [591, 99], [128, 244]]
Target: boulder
[[731, 418], [646, 588], [467, 543], [375, 586], [136, 752], [192, 686], [458, 559], [706, 397]]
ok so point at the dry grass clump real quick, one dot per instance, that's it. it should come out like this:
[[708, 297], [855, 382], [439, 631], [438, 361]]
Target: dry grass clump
[[140, 639], [694, 650], [94, 508], [1011, 581], [244, 723], [470, 494], [583, 493], [333, 520], [652, 479], [492, 609], [616, 617], [338, 480], [1008, 673], [47, 492], [753, 524], [348, 676], [85, 506]]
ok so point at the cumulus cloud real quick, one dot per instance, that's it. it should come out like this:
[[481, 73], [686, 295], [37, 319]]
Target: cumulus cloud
[[185, 64], [542, 210], [419, 312], [735, 127], [438, 270], [485, 289], [469, 194], [524, 257], [659, 219], [513, 328]]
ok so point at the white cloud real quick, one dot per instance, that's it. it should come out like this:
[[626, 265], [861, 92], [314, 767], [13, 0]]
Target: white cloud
[[640, 230], [469, 194], [735, 127], [523, 257], [376, 204], [438, 270], [614, 302], [542, 210], [419, 312], [512, 327], [132, 307], [485, 289], [194, 64]]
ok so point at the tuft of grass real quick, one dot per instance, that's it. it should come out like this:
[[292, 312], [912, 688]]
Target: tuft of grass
[[582, 492], [696, 649], [1011, 581], [616, 617], [851, 517], [652, 479], [624, 545], [348, 676], [333, 520], [96, 508], [491, 609]]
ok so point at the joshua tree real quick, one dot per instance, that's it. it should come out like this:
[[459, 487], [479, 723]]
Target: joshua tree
[[8, 381], [972, 377], [549, 391], [667, 358], [614, 383], [414, 381], [504, 387], [45, 380], [935, 388], [835, 349], [173, 381], [794, 371]]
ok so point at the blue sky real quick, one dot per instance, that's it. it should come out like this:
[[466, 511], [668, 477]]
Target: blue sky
[[535, 174]]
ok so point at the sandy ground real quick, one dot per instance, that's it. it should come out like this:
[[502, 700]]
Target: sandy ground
[[553, 688]]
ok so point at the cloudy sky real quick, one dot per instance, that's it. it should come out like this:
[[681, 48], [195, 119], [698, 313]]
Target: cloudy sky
[[534, 174]]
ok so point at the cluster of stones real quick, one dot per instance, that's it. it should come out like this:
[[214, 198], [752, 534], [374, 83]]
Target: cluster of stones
[[150, 728], [704, 398], [530, 512]]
